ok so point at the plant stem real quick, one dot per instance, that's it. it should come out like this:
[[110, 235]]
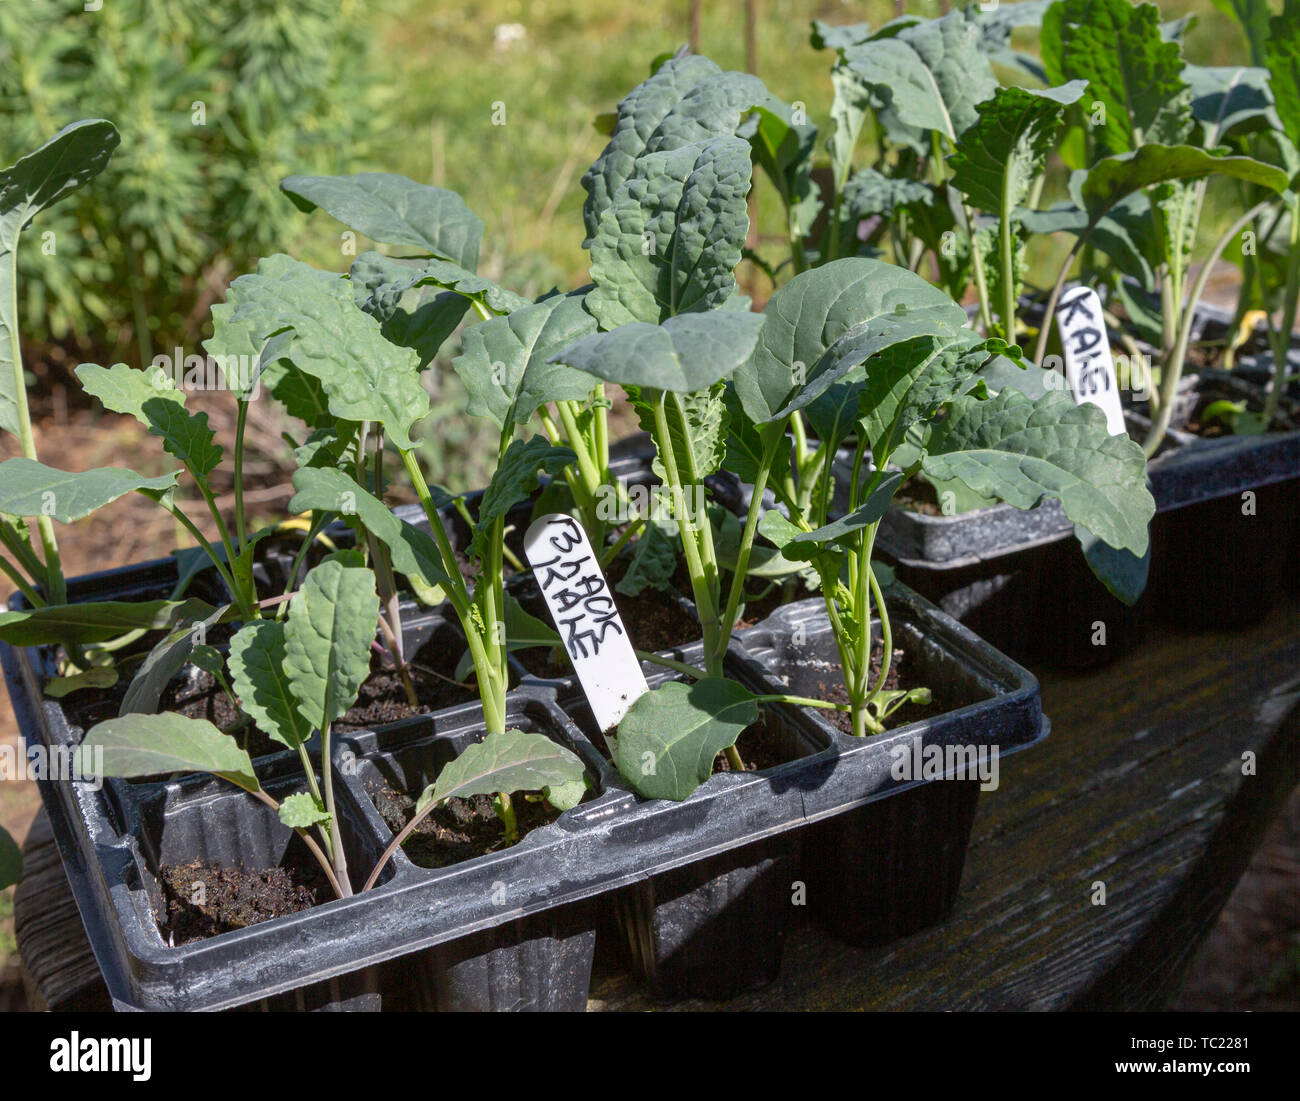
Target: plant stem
[[1007, 247], [1173, 367], [1281, 339], [241, 422], [336, 835], [311, 844], [1049, 311]]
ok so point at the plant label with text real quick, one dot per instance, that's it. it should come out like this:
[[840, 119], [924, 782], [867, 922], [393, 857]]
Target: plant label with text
[[1089, 367], [580, 601]]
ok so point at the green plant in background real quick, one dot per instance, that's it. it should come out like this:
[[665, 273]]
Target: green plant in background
[[1141, 194], [295, 678], [1271, 272], [217, 102]]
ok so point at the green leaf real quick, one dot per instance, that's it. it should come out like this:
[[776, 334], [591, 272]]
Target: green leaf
[[124, 389], [910, 381], [686, 353], [1131, 70], [697, 429], [746, 441], [1112, 178], [136, 746], [362, 375], [302, 811], [803, 546], [504, 361], [385, 281], [29, 488], [11, 860], [687, 100], [96, 622], [260, 678], [509, 762], [1225, 97], [672, 235], [1023, 451], [72, 157], [98, 676], [395, 211], [667, 741], [1005, 149], [783, 148], [164, 661], [653, 561], [819, 307], [1121, 571], [329, 489], [870, 192], [930, 76], [1253, 15], [1282, 57], [515, 477], [331, 623]]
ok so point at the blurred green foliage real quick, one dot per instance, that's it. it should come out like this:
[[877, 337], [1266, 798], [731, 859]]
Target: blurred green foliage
[[216, 102]]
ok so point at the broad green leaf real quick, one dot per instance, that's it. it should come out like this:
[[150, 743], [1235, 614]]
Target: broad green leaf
[[164, 661], [871, 192], [362, 375], [124, 389], [930, 76], [302, 811], [1226, 97], [1131, 70], [817, 308], [653, 561], [996, 25], [509, 762], [1253, 15], [745, 446], [686, 353], [1112, 178], [1023, 451], [421, 318], [331, 623], [1121, 571], [667, 742], [385, 281], [783, 148], [504, 360], [98, 676], [687, 100], [829, 36], [672, 235], [804, 545], [136, 746], [910, 381], [329, 489], [515, 477], [1282, 57], [697, 429], [184, 435], [395, 211], [1005, 149], [71, 158], [29, 488], [96, 622], [11, 860], [260, 678]]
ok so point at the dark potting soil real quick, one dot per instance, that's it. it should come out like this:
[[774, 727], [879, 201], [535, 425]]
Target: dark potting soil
[[760, 746], [203, 900], [832, 690], [382, 698], [460, 829], [1287, 418], [918, 495], [653, 617]]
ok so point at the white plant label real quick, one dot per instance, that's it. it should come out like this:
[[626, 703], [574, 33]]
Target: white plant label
[[568, 573], [1089, 366]]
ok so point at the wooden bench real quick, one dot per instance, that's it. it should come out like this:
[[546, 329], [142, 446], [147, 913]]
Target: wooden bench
[[1140, 788]]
